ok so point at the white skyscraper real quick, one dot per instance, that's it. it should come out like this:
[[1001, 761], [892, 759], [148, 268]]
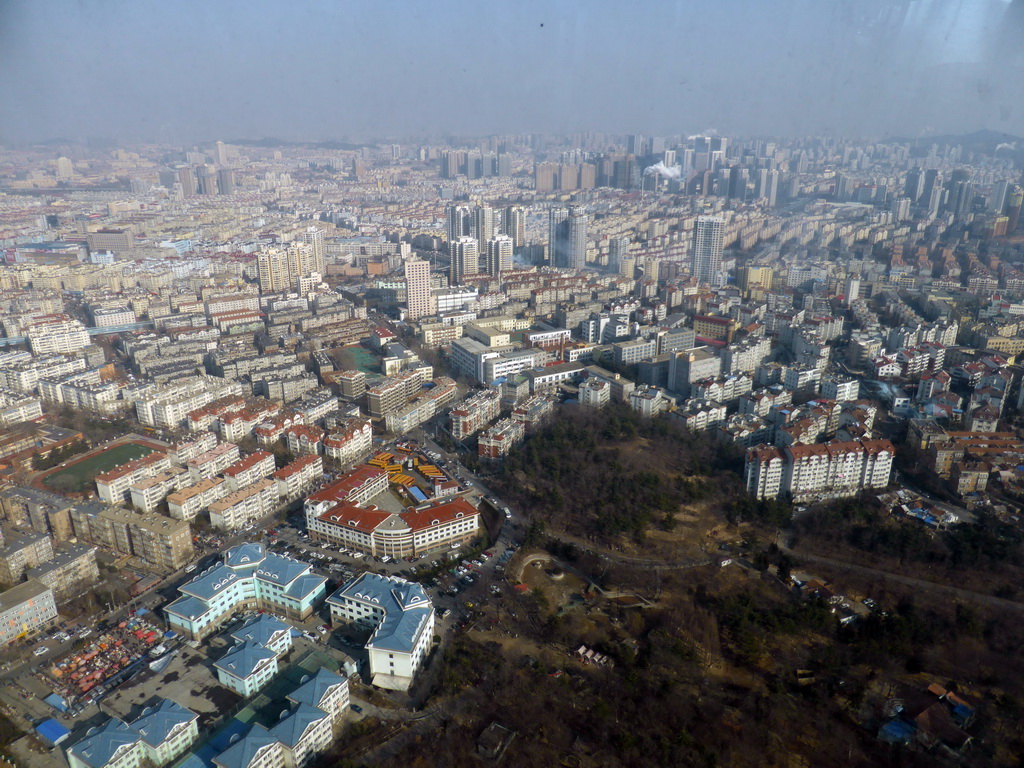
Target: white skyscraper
[[417, 288], [484, 223], [499, 254], [458, 220], [465, 259], [708, 237]]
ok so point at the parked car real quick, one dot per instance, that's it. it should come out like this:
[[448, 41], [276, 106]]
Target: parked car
[[355, 708], [41, 650]]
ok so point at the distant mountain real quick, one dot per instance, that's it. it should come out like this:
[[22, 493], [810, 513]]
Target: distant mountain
[[985, 142], [274, 142]]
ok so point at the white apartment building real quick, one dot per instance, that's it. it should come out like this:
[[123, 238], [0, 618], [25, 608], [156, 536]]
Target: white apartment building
[[840, 390], [298, 476], [744, 356], [167, 405], [238, 509], [23, 376], [180, 453], [247, 471], [114, 486], [213, 462], [595, 393], [403, 620], [147, 494], [57, 334], [16, 408], [819, 471], [349, 442], [187, 503]]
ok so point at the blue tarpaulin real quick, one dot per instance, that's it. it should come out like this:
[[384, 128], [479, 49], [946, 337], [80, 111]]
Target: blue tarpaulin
[[52, 732]]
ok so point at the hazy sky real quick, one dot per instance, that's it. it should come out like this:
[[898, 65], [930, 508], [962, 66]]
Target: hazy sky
[[195, 70]]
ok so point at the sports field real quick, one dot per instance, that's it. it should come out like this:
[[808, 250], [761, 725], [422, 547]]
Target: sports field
[[81, 474]]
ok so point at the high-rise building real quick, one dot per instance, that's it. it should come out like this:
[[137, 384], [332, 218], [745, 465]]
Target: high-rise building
[[220, 153], [544, 176], [465, 259], [226, 181], [1014, 200], [417, 288], [483, 224], [513, 224], [207, 180], [556, 220], [708, 239], [914, 187], [65, 168], [576, 256], [279, 270], [997, 200], [499, 254], [618, 247], [458, 223], [901, 208], [567, 237], [314, 238], [187, 179]]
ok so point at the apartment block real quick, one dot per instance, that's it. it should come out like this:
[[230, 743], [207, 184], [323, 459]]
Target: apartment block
[[474, 413], [247, 471], [113, 486], [16, 407], [24, 610], [297, 477], [349, 442], [68, 572], [213, 462], [21, 552], [497, 441], [147, 494], [187, 503], [160, 541], [820, 471], [244, 506]]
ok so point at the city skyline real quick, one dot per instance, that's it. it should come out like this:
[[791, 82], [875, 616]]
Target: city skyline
[[194, 72]]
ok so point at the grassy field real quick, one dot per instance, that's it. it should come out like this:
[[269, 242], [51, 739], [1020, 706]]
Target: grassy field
[[83, 473]]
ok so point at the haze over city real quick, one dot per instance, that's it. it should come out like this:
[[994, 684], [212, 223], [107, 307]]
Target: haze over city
[[194, 70]]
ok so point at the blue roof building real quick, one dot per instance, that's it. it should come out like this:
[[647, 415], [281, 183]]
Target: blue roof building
[[268, 631], [325, 690], [304, 732], [246, 668], [161, 734], [249, 578], [403, 620], [258, 748]]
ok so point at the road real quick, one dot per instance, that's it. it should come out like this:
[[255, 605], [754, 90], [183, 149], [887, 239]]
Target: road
[[922, 585]]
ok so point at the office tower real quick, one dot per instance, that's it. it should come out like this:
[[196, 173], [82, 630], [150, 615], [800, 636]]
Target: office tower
[[753, 277], [618, 247], [1014, 200], [556, 221], [708, 238], [576, 257], [465, 258], [220, 153], [544, 175], [513, 224], [932, 181], [65, 168], [226, 181], [773, 188], [624, 173], [207, 180], [499, 254], [483, 224], [935, 201], [458, 223], [634, 144], [738, 177], [417, 288], [474, 165], [187, 180], [314, 238], [914, 187], [901, 208], [453, 163], [997, 200]]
